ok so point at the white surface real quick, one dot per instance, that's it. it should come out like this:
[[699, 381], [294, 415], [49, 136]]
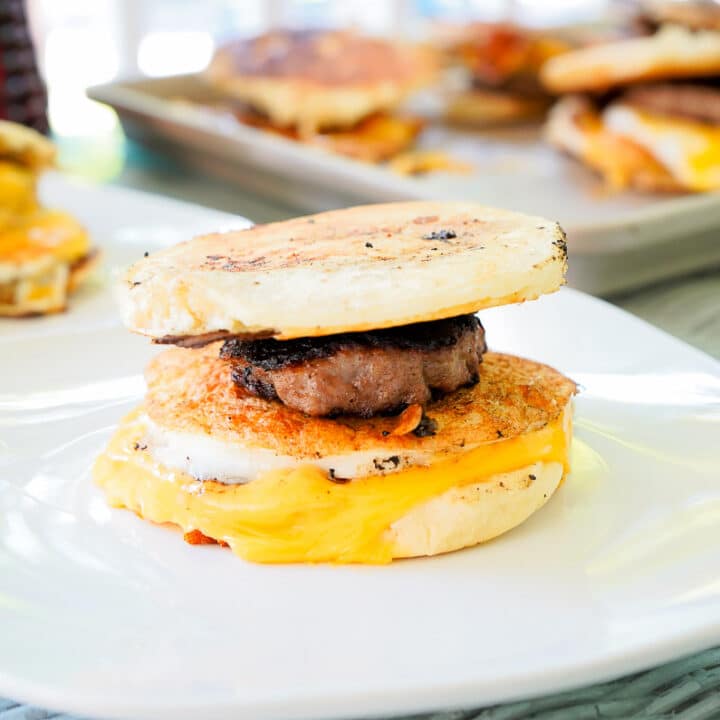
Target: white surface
[[103, 614]]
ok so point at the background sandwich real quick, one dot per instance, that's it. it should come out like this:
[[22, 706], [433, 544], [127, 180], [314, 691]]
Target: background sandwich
[[332, 397], [649, 113], [44, 254], [332, 88]]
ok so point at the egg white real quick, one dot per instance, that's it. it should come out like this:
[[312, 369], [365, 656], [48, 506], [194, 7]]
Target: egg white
[[206, 458]]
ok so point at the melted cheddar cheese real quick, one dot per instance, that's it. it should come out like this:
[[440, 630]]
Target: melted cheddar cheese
[[17, 190], [44, 253], [621, 161], [43, 233], [299, 514]]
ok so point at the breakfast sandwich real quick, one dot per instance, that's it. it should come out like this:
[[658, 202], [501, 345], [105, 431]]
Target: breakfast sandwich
[[503, 61], [644, 112], [44, 254], [333, 88], [329, 396]]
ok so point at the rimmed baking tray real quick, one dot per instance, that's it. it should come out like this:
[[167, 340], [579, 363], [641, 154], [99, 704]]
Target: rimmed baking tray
[[617, 242]]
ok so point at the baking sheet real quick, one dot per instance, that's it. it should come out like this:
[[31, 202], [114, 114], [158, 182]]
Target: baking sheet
[[617, 242]]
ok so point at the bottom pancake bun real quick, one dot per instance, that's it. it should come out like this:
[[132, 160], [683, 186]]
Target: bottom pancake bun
[[499, 450], [471, 514]]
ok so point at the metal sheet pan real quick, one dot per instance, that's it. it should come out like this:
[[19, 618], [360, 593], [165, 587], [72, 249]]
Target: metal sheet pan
[[617, 242]]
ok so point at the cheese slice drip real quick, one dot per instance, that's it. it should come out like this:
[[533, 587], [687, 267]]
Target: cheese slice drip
[[298, 514]]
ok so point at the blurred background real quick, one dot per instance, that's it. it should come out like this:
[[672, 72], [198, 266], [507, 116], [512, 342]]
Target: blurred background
[[539, 106], [81, 43]]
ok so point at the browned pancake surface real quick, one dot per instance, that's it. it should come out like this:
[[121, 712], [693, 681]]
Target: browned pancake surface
[[330, 58], [192, 391]]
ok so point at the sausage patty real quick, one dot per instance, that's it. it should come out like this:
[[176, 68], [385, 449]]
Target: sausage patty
[[695, 102], [364, 373]]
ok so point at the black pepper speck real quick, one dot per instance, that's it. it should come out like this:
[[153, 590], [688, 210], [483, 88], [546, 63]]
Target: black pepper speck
[[443, 235]]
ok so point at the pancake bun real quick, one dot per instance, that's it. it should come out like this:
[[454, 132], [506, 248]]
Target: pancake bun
[[694, 14], [360, 268], [672, 52], [314, 79], [25, 146]]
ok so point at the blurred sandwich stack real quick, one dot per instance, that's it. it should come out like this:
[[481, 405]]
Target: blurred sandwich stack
[[45, 254], [502, 63], [331, 88], [644, 112]]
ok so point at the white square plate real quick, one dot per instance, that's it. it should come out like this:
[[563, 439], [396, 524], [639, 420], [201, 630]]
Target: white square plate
[[103, 614]]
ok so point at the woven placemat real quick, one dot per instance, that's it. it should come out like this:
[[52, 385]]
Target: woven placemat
[[687, 689]]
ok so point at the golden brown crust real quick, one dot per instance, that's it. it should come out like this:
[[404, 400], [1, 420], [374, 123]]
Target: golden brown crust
[[191, 391]]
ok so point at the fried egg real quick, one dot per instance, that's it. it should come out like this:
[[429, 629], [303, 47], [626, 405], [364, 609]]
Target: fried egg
[[689, 150]]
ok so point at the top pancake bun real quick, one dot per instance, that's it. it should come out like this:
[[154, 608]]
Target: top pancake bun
[[672, 52], [356, 269]]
